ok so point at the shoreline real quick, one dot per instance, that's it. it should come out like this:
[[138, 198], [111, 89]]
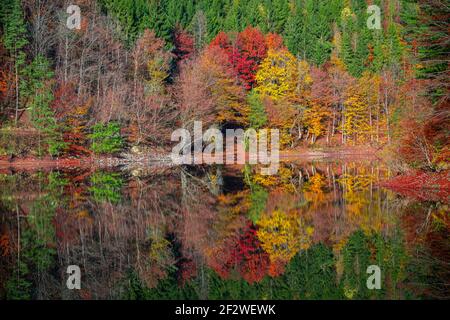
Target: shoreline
[[145, 159]]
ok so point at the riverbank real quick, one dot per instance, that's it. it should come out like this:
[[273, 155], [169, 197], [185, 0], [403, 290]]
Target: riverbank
[[422, 185], [142, 158]]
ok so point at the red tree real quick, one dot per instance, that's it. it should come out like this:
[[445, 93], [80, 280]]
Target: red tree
[[245, 54], [184, 45]]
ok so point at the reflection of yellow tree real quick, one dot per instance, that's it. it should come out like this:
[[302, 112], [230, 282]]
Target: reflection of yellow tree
[[313, 190], [355, 188], [155, 260], [282, 179], [283, 235]]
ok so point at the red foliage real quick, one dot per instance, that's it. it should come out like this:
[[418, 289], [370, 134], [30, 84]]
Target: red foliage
[[221, 41], [243, 254], [188, 270], [245, 54], [251, 44], [65, 99], [254, 261], [3, 83], [274, 41], [184, 45], [276, 268], [422, 185], [321, 90]]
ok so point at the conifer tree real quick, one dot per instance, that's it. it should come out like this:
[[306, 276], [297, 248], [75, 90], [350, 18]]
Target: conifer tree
[[15, 41]]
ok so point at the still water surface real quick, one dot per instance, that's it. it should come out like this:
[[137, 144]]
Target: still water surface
[[309, 232]]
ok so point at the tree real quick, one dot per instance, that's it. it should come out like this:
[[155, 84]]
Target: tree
[[106, 138], [151, 62], [258, 116], [249, 51], [278, 74], [184, 45], [14, 40], [356, 114], [228, 96], [39, 95], [245, 54], [282, 235], [150, 116]]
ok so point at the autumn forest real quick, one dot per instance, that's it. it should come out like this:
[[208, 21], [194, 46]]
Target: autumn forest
[[91, 91]]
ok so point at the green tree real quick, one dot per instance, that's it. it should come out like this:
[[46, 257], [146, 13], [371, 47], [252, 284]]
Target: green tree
[[106, 138], [37, 89], [257, 116], [14, 39]]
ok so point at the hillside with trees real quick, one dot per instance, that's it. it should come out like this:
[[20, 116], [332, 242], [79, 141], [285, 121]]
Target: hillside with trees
[[136, 70]]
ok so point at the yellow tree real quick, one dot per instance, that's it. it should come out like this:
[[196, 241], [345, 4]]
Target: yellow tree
[[278, 75], [282, 235], [356, 126], [369, 85], [315, 117], [304, 80]]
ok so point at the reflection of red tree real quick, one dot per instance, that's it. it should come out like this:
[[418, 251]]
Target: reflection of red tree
[[242, 253], [188, 270], [221, 257], [253, 260], [276, 268]]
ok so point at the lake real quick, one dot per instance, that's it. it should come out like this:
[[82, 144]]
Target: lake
[[221, 232]]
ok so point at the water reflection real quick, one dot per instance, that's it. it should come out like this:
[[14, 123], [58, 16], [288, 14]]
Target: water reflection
[[219, 232]]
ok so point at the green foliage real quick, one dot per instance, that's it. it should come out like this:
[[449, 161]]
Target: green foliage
[[257, 116], [362, 251], [14, 27], [37, 90], [105, 138], [258, 202], [309, 28], [18, 287], [105, 187], [37, 242]]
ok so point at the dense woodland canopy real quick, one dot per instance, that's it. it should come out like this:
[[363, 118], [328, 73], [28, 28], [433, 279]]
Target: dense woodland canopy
[[138, 69]]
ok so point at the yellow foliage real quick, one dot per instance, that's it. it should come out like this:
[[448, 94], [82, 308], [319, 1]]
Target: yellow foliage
[[315, 118], [356, 125], [283, 235], [278, 74], [305, 80], [314, 189], [157, 69], [283, 179]]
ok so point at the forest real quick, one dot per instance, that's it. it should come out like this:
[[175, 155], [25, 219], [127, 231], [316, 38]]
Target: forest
[[135, 70], [90, 90]]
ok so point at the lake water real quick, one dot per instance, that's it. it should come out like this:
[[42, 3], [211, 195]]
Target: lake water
[[211, 232]]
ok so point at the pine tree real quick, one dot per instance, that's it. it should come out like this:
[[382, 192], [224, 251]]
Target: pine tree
[[309, 28], [40, 96], [231, 21], [15, 41], [280, 9]]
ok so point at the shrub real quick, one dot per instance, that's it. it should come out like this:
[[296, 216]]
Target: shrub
[[106, 138]]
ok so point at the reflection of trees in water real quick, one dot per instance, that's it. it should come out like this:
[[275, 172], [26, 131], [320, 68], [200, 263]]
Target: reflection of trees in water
[[178, 228]]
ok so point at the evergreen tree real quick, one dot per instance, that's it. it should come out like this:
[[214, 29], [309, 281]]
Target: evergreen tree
[[14, 40], [37, 88], [231, 21]]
